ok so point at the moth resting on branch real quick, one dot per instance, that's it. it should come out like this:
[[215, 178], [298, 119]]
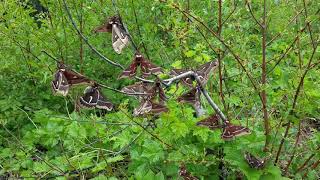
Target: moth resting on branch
[[64, 78], [147, 68], [93, 97], [120, 38]]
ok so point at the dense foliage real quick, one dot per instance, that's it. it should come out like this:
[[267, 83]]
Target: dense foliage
[[42, 136]]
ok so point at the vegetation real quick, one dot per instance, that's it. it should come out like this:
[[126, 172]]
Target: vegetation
[[268, 81]]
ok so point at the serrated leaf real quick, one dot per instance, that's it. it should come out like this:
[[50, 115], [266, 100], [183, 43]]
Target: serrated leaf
[[190, 53]]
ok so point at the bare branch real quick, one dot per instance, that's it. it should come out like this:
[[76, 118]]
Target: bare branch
[[86, 40], [296, 95], [251, 12], [233, 10], [205, 93]]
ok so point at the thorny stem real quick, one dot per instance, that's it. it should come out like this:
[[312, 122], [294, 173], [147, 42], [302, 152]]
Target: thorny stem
[[295, 102], [253, 16], [264, 78], [220, 58], [306, 161], [313, 166], [294, 149]]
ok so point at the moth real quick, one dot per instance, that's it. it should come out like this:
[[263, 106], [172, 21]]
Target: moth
[[64, 78], [185, 174], [232, 131], [203, 72], [157, 91], [254, 162], [147, 68], [146, 89], [191, 97], [120, 38], [148, 107], [137, 88], [93, 98], [212, 122]]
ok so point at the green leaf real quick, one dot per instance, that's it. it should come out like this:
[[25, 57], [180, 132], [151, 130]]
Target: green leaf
[[180, 129], [190, 53]]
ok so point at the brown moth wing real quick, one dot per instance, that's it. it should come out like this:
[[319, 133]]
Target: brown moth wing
[[75, 78], [147, 68], [139, 87], [232, 131], [93, 98], [129, 72], [212, 122], [106, 27], [253, 161], [157, 91], [60, 83], [162, 95], [144, 107], [187, 81], [191, 97], [119, 38], [204, 70], [90, 98], [103, 103], [158, 108]]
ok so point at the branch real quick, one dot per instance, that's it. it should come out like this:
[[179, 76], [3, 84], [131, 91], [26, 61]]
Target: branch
[[284, 54], [168, 82], [306, 161], [116, 90], [296, 95], [264, 77], [233, 10], [125, 27], [255, 19], [94, 49], [280, 33], [86, 40], [238, 59]]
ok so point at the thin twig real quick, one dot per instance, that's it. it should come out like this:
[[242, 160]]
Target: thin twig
[[280, 33], [284, 54], [264, 77], [205, 93], [231, 13], [306, 161], [296, 95], [86, 40], [220, 58], [28, 117], [294, 149], [252, 15], [138, 28], [238, 59]]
